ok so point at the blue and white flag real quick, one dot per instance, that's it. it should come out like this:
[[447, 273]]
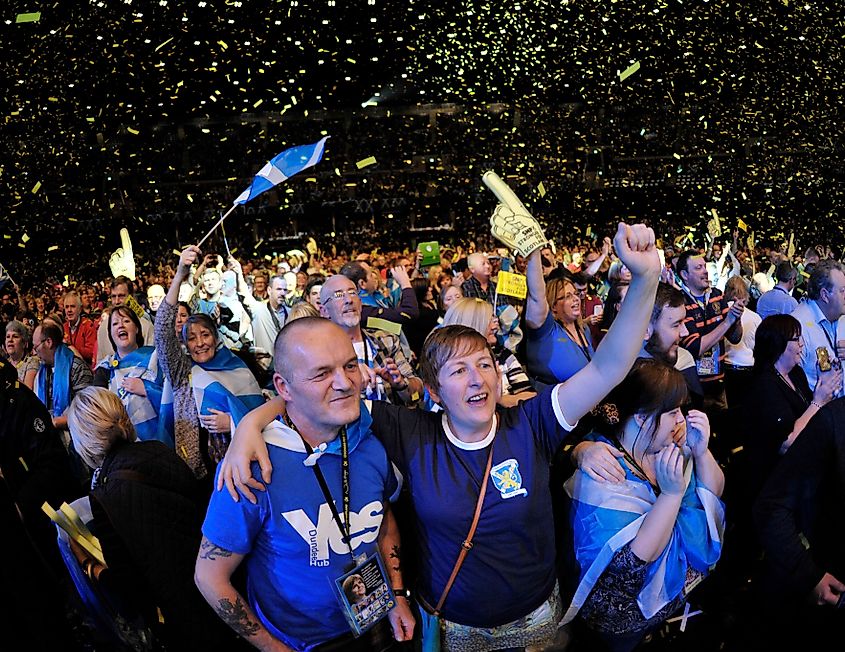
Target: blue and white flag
[[144, 411], [226, 384], [283, 167], [605, 516]]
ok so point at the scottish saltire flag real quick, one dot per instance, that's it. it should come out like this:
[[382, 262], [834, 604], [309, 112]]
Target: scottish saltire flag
[[225, 383], [283, 167], [607, 516], [144, 411]]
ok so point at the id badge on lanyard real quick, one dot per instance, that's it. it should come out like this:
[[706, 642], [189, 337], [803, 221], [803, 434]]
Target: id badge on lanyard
[[364, 594], [708, 363], [362, 591]]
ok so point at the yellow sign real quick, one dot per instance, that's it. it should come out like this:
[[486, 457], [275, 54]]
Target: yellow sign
[[742, 225], [134, 306], [512, 285]]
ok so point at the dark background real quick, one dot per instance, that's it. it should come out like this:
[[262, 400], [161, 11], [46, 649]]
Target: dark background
[[155, 115]]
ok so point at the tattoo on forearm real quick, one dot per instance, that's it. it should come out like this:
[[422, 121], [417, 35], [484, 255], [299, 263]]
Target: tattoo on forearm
[[237, 617], [211, 552], [396, 554]]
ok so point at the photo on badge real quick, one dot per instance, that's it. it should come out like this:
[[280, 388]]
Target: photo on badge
[[364, 594]]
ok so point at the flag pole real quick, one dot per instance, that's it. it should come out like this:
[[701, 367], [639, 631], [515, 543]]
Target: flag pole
[[220, 221]]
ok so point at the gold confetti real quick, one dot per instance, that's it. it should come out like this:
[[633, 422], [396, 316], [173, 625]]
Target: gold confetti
[[28, 18], [363, 163], [35, 189], [630, 70]]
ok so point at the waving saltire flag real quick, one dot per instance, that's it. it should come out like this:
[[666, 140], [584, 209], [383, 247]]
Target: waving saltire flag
[[282, 167]]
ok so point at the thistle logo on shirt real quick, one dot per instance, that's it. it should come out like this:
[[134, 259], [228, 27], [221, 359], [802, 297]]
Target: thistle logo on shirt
[[507, 479], [325, 534]]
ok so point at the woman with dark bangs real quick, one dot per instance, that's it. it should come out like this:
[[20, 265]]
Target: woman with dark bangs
[[642, 544], [780, 402]]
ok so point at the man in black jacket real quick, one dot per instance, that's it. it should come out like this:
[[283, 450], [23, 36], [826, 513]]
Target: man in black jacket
[[800, 518]]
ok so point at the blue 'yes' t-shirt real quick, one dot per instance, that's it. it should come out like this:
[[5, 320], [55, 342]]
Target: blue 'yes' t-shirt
[[510, 570], [293, 545]]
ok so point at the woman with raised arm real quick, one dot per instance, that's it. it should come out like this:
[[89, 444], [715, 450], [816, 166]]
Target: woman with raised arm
[[478, 473], [211, 386]]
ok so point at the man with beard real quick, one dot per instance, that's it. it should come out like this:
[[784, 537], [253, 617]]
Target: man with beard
[[663, 338]]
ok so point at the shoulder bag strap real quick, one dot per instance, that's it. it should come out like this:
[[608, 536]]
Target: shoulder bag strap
[[466, 546]]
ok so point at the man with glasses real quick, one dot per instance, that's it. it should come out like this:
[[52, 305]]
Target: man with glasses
[[373, 303], [120, 291], [821, 318], [61, 374], [380, 355]]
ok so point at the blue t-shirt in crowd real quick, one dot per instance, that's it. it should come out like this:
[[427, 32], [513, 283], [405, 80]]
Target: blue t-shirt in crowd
[[293, 546], [550, 354], [511, 568]]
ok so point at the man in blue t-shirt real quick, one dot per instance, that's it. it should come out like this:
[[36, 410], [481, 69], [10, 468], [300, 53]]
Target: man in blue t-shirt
[[290, 537]]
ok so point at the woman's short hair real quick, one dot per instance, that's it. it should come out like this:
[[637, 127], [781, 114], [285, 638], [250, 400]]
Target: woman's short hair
[[302, 309], [443, 292], [445, 343], [126, 311], [20, 328], [773, 334], [97, 419], [203, 320], [475, 313]]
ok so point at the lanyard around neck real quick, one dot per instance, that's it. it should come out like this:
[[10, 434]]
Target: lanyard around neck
[[344, 525]]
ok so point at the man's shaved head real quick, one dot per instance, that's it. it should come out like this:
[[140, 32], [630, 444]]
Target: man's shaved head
[[290, 334]]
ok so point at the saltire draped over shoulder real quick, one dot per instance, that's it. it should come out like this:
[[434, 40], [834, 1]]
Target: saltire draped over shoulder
[[606, 516], [62, 364], [145, 412], [225, 383]]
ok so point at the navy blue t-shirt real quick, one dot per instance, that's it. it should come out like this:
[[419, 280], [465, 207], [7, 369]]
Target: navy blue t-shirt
[[510, 570]]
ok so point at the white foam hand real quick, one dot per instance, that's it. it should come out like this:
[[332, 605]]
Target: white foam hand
[[122, 261], [511, 223]]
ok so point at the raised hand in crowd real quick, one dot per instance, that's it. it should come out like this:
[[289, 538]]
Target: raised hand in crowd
[[401, 276], [391, 374], [827, 386]]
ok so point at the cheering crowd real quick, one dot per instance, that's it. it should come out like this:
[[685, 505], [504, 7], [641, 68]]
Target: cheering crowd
[[559, 450]]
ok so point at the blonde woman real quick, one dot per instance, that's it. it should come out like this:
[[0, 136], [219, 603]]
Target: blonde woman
[[302, 309], [147, 517], [478, 314]]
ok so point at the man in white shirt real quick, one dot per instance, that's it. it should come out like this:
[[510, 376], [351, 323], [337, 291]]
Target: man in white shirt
[[821, 318]]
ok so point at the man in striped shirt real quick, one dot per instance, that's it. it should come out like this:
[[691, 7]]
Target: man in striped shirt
[[709, 319]]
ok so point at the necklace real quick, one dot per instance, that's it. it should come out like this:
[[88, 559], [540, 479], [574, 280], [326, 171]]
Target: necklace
[[791, 386]]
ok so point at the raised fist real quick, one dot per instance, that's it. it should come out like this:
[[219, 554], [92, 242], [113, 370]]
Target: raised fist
[[122, 261]]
